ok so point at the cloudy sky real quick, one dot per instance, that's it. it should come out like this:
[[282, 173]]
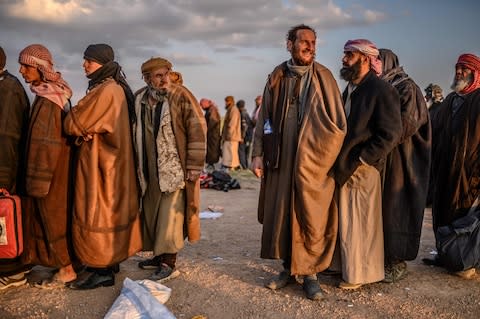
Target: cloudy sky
[[228, 47]]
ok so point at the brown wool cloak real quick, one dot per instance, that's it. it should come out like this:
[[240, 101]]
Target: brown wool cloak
[[212, 117], [455, 159], [190, 130], [47, 208], [106, 224], [313, 213]]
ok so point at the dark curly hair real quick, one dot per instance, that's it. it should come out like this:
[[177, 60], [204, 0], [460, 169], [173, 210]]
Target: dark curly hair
[[292, 33]]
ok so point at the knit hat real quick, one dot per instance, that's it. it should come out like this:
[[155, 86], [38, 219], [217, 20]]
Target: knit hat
[[100, 53], [155, 63], [3, 58]]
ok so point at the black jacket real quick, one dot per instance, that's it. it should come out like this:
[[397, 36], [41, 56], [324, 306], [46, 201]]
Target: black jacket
[[374, 127]]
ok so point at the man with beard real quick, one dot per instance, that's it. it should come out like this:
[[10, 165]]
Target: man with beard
[[372, 107], [300, 130], [231, 135], [212, 117], [406, 173], [169, 139], [455, 149]]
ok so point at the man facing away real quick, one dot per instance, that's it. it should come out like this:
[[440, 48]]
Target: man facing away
[[14, 107], [406, 173], [300, 130], [246, 129], [231, 135], [169, 139], [372, 107], [455, 149], [212, 118]]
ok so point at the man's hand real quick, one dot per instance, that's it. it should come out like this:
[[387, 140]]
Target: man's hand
[[257, 166], [193, 175]]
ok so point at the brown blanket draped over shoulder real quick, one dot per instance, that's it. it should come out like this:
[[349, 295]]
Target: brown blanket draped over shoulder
[[106, 224], [313, 213]]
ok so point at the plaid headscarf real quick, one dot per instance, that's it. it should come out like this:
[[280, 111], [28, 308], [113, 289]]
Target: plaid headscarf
[[369, 49], [53, 86], [471, 62]]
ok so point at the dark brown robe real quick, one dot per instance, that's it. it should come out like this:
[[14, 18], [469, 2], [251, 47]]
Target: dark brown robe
[[406, 170], [296, 205], [212, 117], [14, 108], [455, 158], [47, 210]]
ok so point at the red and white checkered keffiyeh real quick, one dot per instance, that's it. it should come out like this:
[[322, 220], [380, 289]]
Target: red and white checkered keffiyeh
[[53, 86], [368, 48], [471, 62]]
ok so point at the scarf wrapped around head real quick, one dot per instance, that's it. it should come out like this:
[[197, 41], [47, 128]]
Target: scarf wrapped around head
[[471, 62], [369, 49], [104, 55], [53, 87]]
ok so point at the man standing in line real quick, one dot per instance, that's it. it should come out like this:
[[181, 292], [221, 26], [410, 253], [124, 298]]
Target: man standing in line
[[246, 129], [14, 108], [300, 130], [231, 135], [406, 173], [372, 107], [212, 118], [106, 221], [48, 168], [169, 139], [456, 149]]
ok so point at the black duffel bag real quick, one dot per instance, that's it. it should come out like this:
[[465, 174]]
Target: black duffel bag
[[458, 244]]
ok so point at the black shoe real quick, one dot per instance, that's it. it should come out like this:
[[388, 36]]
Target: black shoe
[[280, 281], [164, 273], [432, 262], [94, 280], [153, 263], [312, 288], [115, 268]]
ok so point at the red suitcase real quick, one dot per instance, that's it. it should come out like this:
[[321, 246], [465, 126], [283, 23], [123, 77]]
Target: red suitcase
[[11, 234]]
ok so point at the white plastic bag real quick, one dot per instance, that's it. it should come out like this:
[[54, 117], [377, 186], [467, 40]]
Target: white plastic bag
[[141, 299]]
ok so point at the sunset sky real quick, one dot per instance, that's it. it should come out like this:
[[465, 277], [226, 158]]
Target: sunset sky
[[225, 47]]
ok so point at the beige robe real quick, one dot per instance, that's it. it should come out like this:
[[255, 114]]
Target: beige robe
[[106, 223], [361, 227], [231, 136]]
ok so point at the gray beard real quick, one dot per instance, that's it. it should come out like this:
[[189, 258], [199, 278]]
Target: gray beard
[[460, 85]]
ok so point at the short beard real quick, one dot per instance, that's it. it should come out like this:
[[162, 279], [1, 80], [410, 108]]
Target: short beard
[[351, 73], [461, 84], [298, 60]]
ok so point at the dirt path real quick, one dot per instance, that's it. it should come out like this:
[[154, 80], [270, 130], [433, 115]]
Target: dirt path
[[222, 277]]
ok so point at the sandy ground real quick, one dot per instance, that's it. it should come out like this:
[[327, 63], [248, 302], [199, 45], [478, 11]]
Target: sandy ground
[[222, 277]]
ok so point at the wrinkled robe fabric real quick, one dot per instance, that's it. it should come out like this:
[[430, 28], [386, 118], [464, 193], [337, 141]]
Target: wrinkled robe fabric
[[406, 175], [455, 159], [190, 131], [14, 109], [212, 117], [47, 208], [106, 224], [296, 207]]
